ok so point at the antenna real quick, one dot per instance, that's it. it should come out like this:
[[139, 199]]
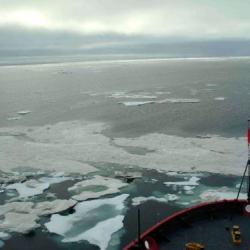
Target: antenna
[[248, 161], [247, 167]]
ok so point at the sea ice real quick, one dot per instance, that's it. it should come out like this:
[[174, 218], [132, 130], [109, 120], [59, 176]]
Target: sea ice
[[14, 118], [22, 217], [220, 194], [168, 100], [1, 243], [19, 222], [55, 179], [220, 98], [17, 207], [135, 96], [94, 221], [4, 236], [136, 103], [107, 185], [53, 207], [179, 100], [193, 181], [166, 198], [29, 188], [67, 146], [24, 112]]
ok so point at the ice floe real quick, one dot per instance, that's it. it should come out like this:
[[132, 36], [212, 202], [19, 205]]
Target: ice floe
[[29, 188], [220, 98], [22, 217], [4, 236], [19, 222], [53, 207], [14, 118], [130, 96], [67, 146], [220, 194], [168, 100], [166, 198], [86, 189], [136, 103], [193, 181], [94, 221], [23, 112]]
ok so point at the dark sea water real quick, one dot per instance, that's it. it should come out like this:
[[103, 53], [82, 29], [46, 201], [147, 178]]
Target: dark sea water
[[58, 93], [83, 91]]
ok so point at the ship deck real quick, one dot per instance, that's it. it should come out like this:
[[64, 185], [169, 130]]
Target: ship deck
[[209, 224], [213, 233]]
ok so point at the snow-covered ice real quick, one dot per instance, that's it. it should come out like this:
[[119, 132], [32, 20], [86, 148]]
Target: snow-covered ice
[[94, 221], [22, 217], [4, 236], [220, 98], [29, 188], [220, 194], [166, 198], [133, 96], [67, 146], [193, 181], [107, 185], [168, 100], [23, 112], [19, 222], [136, 103]]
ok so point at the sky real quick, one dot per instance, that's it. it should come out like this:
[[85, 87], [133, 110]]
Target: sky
[[105, 26]]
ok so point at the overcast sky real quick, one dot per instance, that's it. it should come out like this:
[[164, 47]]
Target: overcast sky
[[93, 23]]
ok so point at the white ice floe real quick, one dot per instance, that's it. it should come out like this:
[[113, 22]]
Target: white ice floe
[[22, 217], [193, 181], [29, 188], [53, 207], [134, 96], [168, 100], [23, 112], [4, 236], [55, 179], [19, 222], [211, 85], [136, 103], [162, 92], [220, 98], [94, 221], [17, 207], [107, 185], [66, 146], [14, 118], [166, 198], [223, 193], [179, 100]]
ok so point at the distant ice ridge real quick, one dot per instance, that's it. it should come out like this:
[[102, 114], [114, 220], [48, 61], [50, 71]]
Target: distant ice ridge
[[89, 222], [66, 146], [168, 100]]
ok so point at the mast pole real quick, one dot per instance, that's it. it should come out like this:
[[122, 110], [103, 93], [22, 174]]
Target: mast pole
[[248, 161]]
